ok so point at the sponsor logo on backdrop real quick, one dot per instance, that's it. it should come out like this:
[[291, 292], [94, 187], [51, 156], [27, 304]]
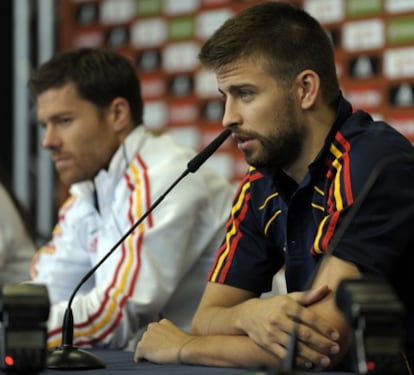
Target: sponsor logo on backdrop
[[153, 87], [117, 37], [182, 112], [149, 33], [366, 97], [363, 35], [117, 11], [397, 6], [358, 8], [399, 63], [400, 30], [181, 85], [402, 95], [87, 14], [149, 60], [362, 67], [178, 57], [155, 114], [326, 11], [209, 21]]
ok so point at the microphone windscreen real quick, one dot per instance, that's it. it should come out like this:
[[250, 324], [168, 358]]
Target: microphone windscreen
[[204, 154]]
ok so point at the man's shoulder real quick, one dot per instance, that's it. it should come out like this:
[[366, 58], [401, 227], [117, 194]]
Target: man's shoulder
[[164, 149], [257, 182], [362, 123]]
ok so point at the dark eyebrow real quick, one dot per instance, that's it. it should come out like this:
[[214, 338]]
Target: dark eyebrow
[[236, 88], [54, 118]]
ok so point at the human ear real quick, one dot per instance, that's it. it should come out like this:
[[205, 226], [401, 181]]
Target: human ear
[[120, 114], [308, 88]]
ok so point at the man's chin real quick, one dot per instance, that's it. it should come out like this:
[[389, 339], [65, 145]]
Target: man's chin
[[65, 182], [68, 180], [256, 162]]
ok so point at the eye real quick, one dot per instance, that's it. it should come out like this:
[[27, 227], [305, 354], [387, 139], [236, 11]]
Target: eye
[[64, 121], [245, 94]]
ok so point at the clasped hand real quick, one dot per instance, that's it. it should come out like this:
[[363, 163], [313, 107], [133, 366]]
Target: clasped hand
[[270, 323], [162, 343]]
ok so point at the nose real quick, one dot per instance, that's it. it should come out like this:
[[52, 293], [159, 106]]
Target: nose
[[50, 139], [231, 116]]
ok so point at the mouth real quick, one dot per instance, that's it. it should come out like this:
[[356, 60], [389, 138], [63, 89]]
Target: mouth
[[61, 161], [245, 143], [240, 138]]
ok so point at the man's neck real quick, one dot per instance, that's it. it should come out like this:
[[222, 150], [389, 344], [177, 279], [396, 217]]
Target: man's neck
[[319, 123]]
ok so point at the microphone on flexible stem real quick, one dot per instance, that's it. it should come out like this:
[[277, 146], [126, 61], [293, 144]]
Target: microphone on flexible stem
[[67, 356], [287, 367]]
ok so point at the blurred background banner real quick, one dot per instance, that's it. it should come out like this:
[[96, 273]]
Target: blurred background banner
[[374, 45]]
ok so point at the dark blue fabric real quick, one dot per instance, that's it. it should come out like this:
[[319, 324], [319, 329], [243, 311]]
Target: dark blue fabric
[[380, 239]]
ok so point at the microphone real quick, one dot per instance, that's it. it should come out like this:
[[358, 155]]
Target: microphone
[[287, 367], [198, 160], [69, 357]]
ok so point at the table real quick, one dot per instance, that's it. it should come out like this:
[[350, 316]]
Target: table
[[121, 362]]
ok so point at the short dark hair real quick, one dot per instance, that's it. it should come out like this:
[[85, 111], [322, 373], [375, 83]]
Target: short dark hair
[[286, 38], [98, 75]]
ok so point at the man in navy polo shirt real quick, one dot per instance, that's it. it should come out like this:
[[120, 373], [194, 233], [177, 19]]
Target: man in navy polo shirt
[[310, 155]]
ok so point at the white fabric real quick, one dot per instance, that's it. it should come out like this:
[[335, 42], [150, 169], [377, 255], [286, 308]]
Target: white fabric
[[16, 247], [160, 269]]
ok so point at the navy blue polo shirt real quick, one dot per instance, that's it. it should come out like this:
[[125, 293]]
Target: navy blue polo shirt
[[274, 221]]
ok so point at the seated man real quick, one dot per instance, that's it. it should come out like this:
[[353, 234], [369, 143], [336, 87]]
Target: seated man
[[89, 104], [310, 155]]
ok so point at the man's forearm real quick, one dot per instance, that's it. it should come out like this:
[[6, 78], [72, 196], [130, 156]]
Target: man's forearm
[[226, 351], [268, 322], [217, 320]]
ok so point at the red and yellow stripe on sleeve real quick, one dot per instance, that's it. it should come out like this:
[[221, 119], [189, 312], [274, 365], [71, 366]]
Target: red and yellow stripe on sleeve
[[340, 193], [108, 313], [227, 250]]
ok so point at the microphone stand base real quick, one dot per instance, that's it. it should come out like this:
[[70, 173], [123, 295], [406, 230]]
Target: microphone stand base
[[67, 358]]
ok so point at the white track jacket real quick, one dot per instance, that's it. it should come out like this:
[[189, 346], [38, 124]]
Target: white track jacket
[[160, 269]]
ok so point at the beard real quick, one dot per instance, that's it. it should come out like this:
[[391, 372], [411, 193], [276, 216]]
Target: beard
[[282, 146], [276, 150]]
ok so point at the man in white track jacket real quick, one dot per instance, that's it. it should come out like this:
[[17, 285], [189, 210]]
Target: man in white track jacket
[[89, 103]]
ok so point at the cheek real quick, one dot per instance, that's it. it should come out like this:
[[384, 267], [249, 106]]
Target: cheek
[[86, 147], [100, 149], [266, 118], [267, 123], [88, 137]]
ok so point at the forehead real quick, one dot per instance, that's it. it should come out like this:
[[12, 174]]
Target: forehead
[[62, 99], [54, 94], [243, 71]]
